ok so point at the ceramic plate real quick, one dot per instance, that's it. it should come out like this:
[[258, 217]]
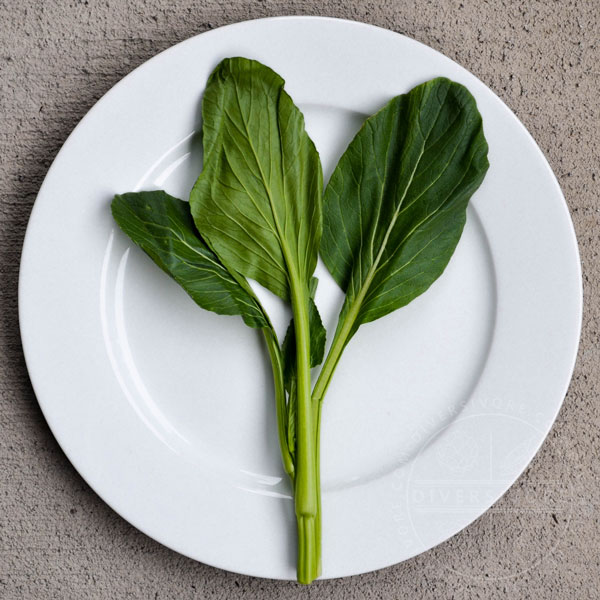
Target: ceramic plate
[[166, 410]]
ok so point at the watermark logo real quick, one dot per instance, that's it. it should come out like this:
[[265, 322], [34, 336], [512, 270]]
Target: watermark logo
[[461, 471]]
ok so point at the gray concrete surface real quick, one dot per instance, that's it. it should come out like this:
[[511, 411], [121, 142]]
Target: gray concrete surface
[[58, 539]]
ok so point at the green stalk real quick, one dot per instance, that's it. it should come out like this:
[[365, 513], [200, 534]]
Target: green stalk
[[343, 333], [278, 383], [317, 424], [277, 367], [306, 484], [345, 330]]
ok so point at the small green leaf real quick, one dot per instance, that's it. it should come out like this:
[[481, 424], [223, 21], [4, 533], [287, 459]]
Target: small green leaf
[[163, 227], [318, 336], [395, 206], [291, 418], [257, 201]]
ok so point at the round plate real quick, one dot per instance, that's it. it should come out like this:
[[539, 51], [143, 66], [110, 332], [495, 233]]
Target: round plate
[[167, 410]]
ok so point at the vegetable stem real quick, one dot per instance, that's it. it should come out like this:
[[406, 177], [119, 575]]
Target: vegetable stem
[[309, 543], [306, 484], [277, 367], [345, 330], [317, 423]]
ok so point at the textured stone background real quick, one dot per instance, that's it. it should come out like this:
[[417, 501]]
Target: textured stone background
[[58, 539]]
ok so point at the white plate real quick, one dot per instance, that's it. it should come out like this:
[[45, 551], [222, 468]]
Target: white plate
[[166, 410]]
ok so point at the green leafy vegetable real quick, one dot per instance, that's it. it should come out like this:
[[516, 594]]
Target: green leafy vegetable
[[395, 206], [257, 203], [163, 227], [386, 227]]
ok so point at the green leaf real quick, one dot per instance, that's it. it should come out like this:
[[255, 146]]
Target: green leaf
[[163, 227], [291, 418], [395, 206], [257, 201]]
